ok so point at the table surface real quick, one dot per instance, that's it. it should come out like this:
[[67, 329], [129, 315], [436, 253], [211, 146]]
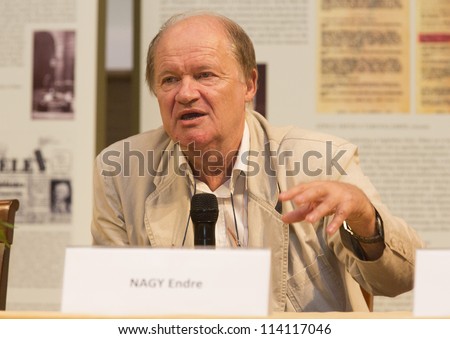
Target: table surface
[[281, 315]]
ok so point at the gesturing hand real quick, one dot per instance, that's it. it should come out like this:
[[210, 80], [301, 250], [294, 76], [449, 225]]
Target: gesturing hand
[[318, 199]]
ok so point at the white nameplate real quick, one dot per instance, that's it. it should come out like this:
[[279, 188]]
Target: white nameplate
[[432, 283], [146, 281]]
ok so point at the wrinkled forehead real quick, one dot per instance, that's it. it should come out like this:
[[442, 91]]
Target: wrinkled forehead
[[195, 30]]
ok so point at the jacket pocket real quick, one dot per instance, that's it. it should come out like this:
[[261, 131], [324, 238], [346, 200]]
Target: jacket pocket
[[316, 288]]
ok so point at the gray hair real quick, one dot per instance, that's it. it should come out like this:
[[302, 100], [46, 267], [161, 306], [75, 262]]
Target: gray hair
[[241, 43]]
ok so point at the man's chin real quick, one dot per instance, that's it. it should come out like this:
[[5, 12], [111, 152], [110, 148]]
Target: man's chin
[[195, 143]]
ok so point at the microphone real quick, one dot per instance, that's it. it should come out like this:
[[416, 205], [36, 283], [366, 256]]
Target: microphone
[[204, 214]]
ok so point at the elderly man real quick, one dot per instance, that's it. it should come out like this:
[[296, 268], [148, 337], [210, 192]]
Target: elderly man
[[300, 193]]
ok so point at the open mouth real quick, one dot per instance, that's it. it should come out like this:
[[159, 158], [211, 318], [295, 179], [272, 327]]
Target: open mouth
[[191, 116]]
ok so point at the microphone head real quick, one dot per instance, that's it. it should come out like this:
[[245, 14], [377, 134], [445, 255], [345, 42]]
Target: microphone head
[[204, 208]]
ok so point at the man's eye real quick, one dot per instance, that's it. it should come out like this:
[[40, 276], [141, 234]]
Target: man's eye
[[204, 75], [169, 80]]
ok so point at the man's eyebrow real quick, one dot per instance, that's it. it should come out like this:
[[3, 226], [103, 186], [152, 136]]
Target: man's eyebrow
[[164, 73]]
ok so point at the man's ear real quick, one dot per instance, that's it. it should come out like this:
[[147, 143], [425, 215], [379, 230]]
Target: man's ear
[[251, 84]]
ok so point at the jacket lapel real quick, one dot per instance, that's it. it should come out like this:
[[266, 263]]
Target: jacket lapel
[[265, 227], [167, 207]]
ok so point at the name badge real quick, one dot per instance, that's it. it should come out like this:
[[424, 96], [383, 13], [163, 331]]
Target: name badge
[[431, 283], [146, 281]]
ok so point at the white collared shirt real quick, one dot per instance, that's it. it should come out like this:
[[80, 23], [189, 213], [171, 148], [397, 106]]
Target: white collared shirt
[[232, 193]]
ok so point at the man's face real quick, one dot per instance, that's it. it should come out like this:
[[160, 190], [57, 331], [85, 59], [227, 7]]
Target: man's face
[[62, 191], [200, 86]]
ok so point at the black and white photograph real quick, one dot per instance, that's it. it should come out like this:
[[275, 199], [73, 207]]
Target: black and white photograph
[[61, 196], [53, 74]]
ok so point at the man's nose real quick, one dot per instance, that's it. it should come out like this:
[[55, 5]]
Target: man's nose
[[188, 91]]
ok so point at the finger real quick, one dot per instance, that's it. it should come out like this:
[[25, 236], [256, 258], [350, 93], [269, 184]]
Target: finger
[[292, 192], [315, 195], [299, 189], [323, 209], [336, 222], [296, 215]]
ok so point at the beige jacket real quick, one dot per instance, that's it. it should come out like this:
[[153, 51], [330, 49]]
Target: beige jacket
[[141, 199]]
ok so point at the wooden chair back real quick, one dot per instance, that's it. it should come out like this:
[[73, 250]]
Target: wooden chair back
[[8, 210]]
